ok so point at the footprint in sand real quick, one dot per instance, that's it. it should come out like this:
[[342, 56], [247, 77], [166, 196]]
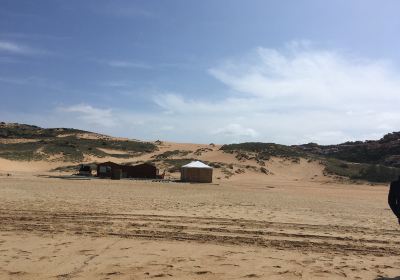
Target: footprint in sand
[[64, 243], [178, 259], [383, 266], [86, 252], [252, 275], [161, 275], [203, 272], [227, 253], [297, 263], [229, 264], [293, 272], [218, 258], [24, 252], [277, 266], [307, 262], [112, 273], [15, 273]]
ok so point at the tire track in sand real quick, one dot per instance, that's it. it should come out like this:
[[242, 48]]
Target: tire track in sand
[[241, 232]]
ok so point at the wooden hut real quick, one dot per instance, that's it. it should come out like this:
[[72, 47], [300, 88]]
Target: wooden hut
[[117, 171], [105, 169], [144, 170], [196, 171]]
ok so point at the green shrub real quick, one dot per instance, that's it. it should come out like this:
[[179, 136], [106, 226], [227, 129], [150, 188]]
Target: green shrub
[[361, 171], [264, 151], [72, 148], [169, 154]]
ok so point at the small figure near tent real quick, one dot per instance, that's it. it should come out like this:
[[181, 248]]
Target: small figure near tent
[[394, 198]]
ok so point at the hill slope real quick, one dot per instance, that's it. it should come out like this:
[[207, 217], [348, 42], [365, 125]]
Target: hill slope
[[63, 149], [27, 142], [384, 151], [375, 161]]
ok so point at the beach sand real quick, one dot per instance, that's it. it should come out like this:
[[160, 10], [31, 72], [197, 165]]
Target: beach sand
[[248, 227]]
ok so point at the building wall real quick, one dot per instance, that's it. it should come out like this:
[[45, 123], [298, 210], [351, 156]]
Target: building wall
[[109, 166], [199, 175], [140, 171], [127, 171]]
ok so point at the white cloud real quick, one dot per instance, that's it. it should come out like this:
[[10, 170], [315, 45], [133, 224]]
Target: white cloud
[[293, 95], [167, 127], [113, 121], [15, 48], [310, 76], [172, 103], [236, 132], [12, 47], [298, 94], [124, 64], [91, 115]]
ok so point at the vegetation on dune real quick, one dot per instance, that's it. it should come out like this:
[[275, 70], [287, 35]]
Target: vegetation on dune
[[361, 171], [374, 161], [263, 151], [174, 165], [25, 131], [71, 148], [174, 153], [21, 151], [354, 160], [385, 151], [366, 154]]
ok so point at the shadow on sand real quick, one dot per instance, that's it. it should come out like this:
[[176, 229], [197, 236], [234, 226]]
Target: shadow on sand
[[387, 278]]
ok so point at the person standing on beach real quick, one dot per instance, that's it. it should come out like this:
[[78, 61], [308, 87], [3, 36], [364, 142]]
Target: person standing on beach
[[394, 198]]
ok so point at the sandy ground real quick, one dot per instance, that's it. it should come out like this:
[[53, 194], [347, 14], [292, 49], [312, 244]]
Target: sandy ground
[[294, 223], [271, 227]]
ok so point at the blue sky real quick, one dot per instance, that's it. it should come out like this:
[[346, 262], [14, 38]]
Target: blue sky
[[203, 71]]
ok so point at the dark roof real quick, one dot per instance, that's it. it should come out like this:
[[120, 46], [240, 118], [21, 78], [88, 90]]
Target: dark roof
[[108, 163], [146, 163], [116, 164]]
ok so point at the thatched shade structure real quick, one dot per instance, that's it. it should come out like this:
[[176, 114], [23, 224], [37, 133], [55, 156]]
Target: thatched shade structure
[[196, 171]]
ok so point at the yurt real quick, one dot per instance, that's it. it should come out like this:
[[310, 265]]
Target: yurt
[[196, 171]]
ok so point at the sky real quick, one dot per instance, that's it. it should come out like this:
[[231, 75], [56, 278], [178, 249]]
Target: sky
[[220, 71]]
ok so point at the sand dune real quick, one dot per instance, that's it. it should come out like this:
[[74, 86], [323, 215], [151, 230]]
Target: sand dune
[[244, 170], [28, 166]]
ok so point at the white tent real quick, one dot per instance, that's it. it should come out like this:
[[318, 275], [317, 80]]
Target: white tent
[[196, 171], [196, 164]]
